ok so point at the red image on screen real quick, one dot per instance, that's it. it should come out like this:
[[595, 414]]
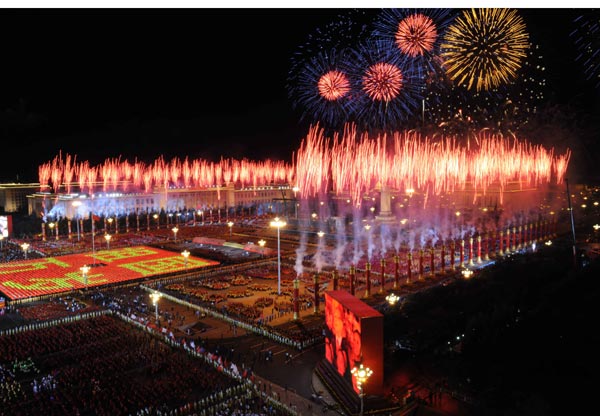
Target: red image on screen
[[354, 335]]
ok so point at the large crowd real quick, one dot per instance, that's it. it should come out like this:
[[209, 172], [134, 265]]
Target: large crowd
[[100, 366]]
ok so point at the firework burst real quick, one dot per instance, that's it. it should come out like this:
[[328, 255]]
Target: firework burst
[[388, 86], [318, 84], [322, 89], [484, 48], [416, 33]]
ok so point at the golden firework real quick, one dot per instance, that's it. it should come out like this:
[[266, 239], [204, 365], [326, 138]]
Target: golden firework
[[485, 48]]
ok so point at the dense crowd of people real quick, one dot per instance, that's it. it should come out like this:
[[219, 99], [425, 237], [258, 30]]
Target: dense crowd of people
[[100, 366], [54, 308]]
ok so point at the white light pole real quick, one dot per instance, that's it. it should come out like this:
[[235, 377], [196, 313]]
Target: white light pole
[[230, 225], [262, 243], [175, 229], [25, 247], [185, 255], [155, 297], [362, 375], [155, 216], [84, 271], [107, 237], [278, 224]]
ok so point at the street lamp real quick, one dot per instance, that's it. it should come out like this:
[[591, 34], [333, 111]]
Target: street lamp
[[155, 216], [277, 223], [321, 234], [25, 247], [84, 271], [467, 273], [392, 299], [262, 243], [596, 227], [155, 297], [185, 255], [107, 237], [52, 225], [362, 375], [175, 229], [230, 225], [110, 221]]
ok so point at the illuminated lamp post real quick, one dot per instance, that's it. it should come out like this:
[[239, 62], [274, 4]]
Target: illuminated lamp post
[[69, 232], [25, 247], [361, 374], [277, 223], [185, 255], [84, 271], [107, 237], [155, 297], [155, 216], [500, 249], [262, 243], [51, 225], [110, 221], [392, 299], [230, 225], [175, 229], [467, 273]]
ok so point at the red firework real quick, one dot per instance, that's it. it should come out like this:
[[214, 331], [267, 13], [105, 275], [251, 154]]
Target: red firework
[[333, 85], [416, 35], [382, 81]]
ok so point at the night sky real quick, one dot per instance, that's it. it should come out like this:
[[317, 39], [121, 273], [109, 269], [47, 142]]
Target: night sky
[[200, 83]]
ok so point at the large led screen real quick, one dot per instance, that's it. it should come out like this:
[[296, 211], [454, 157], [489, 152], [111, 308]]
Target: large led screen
[[354, 335]]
